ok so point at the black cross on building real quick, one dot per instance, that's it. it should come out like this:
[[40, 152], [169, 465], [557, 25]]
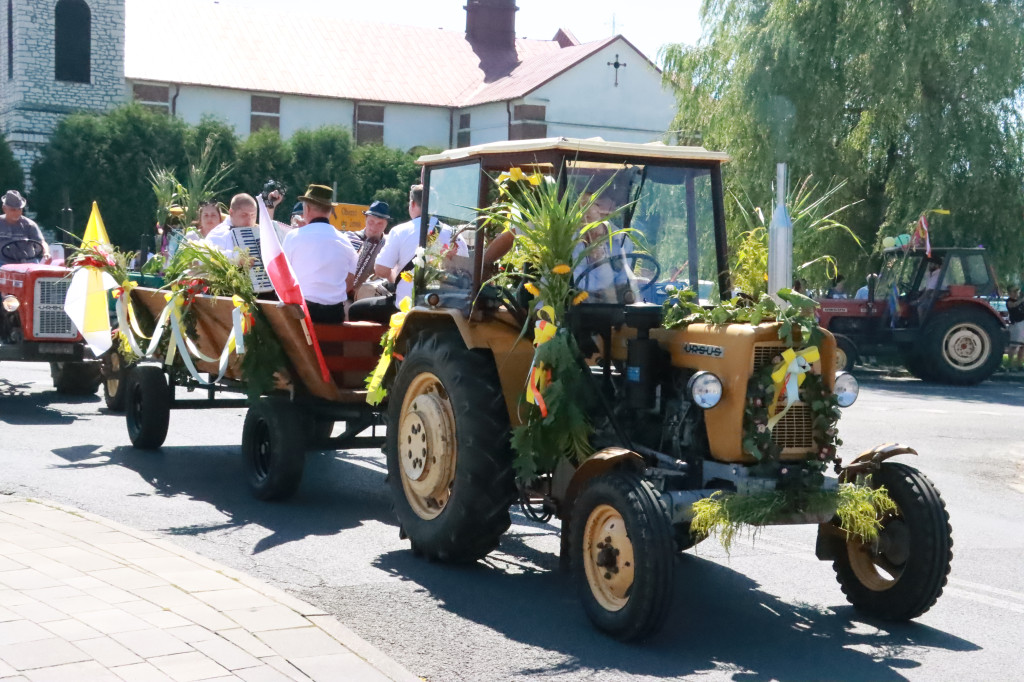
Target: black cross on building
[[617, 64]]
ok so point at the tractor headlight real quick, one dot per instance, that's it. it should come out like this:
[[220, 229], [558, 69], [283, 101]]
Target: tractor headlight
[[847, 389], [11, 303], [705, 389]]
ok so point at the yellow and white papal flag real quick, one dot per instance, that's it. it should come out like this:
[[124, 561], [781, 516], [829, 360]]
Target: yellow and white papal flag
[[86, 300]]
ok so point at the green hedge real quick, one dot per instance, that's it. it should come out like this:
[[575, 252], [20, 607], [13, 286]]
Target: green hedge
[[106, 158]]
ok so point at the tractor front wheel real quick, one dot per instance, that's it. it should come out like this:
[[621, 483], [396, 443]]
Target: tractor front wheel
[[148, 399], [448, 451], [623, 552], [75, 378], [846, 353], [900, 574]]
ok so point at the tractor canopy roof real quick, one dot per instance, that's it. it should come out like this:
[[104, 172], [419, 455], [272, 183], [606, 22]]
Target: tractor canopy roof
[[937, 251], [502, 154]]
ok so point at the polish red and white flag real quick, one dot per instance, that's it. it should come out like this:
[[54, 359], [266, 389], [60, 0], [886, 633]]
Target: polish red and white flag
[[285, 283]]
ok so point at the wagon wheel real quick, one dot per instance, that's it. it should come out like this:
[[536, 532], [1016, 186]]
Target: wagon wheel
[[274, 438], [148, 400]]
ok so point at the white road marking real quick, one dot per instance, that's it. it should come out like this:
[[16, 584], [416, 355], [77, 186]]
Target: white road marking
[[1019, 596]]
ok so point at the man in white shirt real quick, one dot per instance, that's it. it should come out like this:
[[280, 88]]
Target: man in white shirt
[[323, 259], [395, 257]]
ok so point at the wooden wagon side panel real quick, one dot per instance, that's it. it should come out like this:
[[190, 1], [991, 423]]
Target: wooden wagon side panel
[[351, 349]]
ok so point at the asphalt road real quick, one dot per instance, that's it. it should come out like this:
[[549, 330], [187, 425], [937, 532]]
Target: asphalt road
[[768, 611]]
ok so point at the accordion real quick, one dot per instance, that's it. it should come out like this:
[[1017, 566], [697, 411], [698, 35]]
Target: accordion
[[246, 239]]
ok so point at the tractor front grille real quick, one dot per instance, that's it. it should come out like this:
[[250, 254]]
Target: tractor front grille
[[794, 433], [49, 321], [765, 353]]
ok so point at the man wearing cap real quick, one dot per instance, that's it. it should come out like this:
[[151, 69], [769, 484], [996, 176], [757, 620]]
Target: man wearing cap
[[323, 259], [369, 240], [396, 257], [15, 226]]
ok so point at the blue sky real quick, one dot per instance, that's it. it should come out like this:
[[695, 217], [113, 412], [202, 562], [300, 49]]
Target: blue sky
[[648, 24]]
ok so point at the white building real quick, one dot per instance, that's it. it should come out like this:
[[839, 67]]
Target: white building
[[400, 85]]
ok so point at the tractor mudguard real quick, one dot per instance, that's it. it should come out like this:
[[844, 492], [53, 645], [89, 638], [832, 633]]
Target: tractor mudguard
[[831, 539], [566, 489], [869, 460]]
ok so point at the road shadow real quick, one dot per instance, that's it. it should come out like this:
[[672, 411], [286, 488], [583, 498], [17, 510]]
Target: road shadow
[[987, 393], [22, 406], [334, 495], [720, 621]]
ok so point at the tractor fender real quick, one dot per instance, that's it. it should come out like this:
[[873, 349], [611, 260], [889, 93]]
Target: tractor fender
[[419, 320], [831, 539], [944, 304], [565, 489], [869, 460]]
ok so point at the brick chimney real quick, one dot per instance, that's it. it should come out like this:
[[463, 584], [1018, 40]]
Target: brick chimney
[[491, 22]]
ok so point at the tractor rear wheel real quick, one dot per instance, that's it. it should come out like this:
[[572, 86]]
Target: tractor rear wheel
[[274, 438], [148, 399], [623, 551], [75, 378], [448, 450], [962, 346], [900, 574]]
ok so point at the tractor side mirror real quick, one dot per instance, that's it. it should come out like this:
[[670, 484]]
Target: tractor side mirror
[[872, 285]]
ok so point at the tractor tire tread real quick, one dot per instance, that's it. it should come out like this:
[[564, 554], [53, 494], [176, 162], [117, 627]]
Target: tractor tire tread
[[912, 595], [477, 513]]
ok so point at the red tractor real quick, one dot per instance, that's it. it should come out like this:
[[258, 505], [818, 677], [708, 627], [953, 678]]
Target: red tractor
[[934, 310], [33, 324]]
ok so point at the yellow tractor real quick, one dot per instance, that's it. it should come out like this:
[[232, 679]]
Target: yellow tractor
[[671, 409]]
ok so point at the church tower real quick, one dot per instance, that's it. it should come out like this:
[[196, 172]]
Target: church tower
[[59, 56]]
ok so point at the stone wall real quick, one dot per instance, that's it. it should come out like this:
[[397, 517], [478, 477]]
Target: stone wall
[[32, 102]]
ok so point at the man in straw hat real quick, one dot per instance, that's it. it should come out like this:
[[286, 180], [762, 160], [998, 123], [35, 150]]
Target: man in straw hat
[[323, 259], [15, 226]]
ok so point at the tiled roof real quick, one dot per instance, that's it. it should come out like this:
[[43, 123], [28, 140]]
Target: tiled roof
[[201, 42]]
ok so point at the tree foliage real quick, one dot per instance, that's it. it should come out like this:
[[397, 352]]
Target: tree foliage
[[11, 175], [916, 104], [108, 158]]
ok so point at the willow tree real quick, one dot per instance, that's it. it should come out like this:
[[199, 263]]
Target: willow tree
[[916, 104]]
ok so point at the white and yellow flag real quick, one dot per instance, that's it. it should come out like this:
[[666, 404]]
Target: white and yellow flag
[[86, 300]]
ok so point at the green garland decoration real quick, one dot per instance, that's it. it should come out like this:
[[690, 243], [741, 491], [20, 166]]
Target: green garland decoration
[[540, 442], [857, 508]]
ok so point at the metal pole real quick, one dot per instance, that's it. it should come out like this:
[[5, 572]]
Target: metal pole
[[780, 240]]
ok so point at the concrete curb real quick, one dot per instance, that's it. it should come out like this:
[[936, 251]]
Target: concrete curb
[[331, 626]]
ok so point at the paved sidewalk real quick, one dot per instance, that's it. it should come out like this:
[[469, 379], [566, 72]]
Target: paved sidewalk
[[83, 599]]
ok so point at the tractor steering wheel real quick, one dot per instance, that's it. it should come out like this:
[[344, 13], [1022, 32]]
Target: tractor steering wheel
[[22, 251], [632, 257]]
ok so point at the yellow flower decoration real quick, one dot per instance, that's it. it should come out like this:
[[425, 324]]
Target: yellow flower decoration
[[580, 297], [406, 276], [532, 288], [517, 174], [536, 179], [502, 178], [561, 269]]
